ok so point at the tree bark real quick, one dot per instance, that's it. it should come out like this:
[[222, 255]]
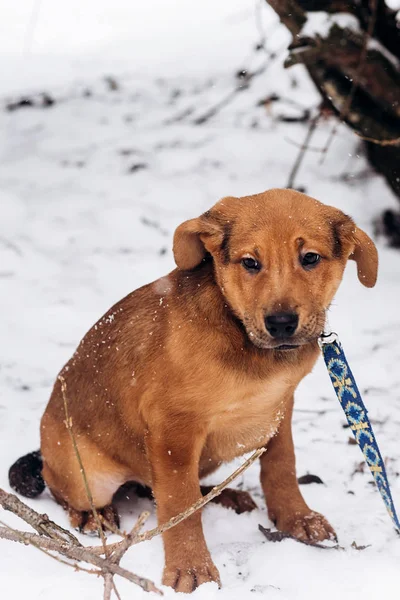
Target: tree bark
[[356, 71]]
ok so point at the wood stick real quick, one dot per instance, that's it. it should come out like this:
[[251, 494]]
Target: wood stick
[[148, 535], [40, 522], [77, 553], [68, 424], [303, 149], [108, 586], [130, 539]]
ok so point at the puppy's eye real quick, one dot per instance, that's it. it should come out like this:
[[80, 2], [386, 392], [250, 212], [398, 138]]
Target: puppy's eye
[[310, 259], [251, 264]]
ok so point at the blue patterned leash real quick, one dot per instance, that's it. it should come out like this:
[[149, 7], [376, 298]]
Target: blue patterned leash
[[357, 416]]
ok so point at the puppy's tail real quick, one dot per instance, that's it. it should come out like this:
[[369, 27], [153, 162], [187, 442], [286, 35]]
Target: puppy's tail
[[25, 475]]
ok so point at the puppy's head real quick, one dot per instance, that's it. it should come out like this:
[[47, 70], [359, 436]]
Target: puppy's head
[[279, 257]]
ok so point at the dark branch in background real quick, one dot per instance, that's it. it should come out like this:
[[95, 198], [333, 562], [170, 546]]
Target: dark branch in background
[[370, 103], [357, 73], [386, 29], [244, 78], [303, 149]]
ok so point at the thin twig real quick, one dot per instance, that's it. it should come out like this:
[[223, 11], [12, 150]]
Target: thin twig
[[303, 149], [10, 245], [140, 522], [108, 577], [347, 104], [110, 526], [148, 535], [116, 592], [68, 424], [242, 85], [108, 586], [130, 539], [30, 30], [28, 538], [116, 556], [394, 142], [315, 149]]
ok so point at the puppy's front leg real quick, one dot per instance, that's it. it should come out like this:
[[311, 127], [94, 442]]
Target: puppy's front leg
[[286, 506], [174, 456]]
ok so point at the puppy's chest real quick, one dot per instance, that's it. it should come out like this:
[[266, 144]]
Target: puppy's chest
[[247, 418]]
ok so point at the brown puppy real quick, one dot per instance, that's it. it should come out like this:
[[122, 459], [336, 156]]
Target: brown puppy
[[201, 366]]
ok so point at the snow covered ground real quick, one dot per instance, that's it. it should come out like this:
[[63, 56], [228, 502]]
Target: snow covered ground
[[91, 190]]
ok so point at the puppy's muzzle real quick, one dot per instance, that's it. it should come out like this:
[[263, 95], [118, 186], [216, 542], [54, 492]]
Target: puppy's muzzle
[[281, 325]]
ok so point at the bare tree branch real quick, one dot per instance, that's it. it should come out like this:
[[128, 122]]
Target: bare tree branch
[[40, 522], [344, 111], [78, 553], [303, 149]]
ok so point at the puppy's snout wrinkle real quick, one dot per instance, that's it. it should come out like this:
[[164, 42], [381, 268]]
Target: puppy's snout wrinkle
[[281, 325]]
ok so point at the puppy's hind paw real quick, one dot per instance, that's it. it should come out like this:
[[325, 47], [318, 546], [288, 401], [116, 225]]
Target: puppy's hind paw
[[238, 500], [85, 521]]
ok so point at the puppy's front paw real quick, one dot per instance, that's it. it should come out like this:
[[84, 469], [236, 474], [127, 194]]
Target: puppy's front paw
[[307, 527], [187, 578]]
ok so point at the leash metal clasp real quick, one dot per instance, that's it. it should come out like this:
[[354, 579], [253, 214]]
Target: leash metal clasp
[[327, 338]]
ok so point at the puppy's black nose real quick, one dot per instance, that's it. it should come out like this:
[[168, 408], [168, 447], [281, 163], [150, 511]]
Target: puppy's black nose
[[281, 325]]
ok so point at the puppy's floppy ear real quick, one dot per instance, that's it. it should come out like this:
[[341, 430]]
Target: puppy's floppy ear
[[194, 238], [351, 242], [366, 256]]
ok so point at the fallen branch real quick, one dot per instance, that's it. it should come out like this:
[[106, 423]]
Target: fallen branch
[[108, 586], [40, 522], [78, 553], [130, 539], [19, 537], [148, 535]]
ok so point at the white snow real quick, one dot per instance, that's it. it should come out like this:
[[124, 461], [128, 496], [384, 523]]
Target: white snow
[[78, 231], [320, 22]]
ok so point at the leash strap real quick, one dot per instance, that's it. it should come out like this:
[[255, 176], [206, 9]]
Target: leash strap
[[357, 416]]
